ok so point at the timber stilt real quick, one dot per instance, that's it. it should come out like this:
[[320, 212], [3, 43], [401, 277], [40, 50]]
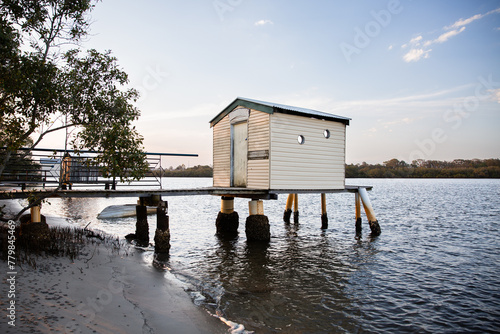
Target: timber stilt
[[370, 214], [324, 215], [227, 221], [36, 217], [142, 226], [288, 209], [162, 233], [34, 223], [358, 214], [257, 224], [296, 208]]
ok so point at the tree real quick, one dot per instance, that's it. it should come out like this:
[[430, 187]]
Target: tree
[[42, 90], [393, 163], [44, 87]]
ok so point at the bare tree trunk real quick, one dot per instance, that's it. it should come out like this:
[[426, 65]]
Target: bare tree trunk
[[6, 159]]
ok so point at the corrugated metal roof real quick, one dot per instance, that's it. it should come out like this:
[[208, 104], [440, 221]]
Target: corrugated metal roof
[[270, 108]]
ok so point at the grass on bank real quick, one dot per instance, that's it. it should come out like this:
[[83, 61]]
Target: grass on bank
[[57, 241]]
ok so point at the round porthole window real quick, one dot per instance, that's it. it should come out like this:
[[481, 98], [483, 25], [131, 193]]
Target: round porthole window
[[301, 140], [326, 133]]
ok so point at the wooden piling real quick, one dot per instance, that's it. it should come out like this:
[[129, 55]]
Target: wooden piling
[[358, 213], [162, 219], [142, 227], [324, 215], [257, 226], [227, 221], [288, 209], [227, 205], [296, 208], [370, 214], [36, 216], [256, 207], [34, 223], [162, 233]]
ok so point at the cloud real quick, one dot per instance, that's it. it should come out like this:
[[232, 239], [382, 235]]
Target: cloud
[[405, 120], [495, 93], [464, 22], [416, 40], [263, 22], [416, 55], [447, 35], [427, 102], [420, 48], [390, 47]]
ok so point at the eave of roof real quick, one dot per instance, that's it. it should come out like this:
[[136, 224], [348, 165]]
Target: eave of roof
[[271, 108]]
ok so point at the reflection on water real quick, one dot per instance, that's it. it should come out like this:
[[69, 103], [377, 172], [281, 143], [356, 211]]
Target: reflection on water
[[434, 268]]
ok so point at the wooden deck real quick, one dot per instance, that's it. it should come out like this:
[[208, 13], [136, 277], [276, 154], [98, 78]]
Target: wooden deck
[[215, 191]]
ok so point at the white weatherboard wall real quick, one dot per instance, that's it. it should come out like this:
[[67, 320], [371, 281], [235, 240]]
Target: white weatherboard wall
[[275, 159], [258, 149], [222, 153], [317, 164]]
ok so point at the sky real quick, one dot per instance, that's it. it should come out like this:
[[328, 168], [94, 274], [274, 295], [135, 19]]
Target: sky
[[419, 79]]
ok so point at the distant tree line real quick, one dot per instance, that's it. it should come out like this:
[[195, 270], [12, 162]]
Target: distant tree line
[[459, 168], [394, 168], [182, 171]]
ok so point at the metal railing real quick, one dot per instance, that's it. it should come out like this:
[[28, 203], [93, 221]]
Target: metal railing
[[68, 168]]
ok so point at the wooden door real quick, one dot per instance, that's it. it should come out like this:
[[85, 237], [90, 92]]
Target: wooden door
[[240, 154]]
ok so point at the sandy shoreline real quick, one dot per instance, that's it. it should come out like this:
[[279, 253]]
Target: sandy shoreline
[[108, 289]]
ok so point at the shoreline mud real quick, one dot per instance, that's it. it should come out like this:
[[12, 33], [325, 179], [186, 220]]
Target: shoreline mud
[[108, 288]]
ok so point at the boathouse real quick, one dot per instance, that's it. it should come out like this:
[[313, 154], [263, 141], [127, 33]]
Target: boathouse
[[263, 145]]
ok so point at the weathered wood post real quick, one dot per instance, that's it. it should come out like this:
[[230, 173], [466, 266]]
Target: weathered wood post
[[370, 214], [257, 224], [36, 216], [288, 209], [358, 213], [65, 176], [34, 223], [324, 216], [141, 226], [227, 221], [296, 208], [162, 233]]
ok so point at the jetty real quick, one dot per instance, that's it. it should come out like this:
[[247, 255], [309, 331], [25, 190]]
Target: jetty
[[260, 150]]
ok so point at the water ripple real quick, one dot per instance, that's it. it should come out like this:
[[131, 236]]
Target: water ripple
[[434, 268]]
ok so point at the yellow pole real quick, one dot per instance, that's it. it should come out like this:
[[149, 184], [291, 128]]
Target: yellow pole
[[358, 206], [370, 214], [323, 204], [289, 202], [288, 209], [358, 213], [36, 217]]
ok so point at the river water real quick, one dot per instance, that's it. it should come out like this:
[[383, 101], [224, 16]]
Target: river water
[[434, 268]]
